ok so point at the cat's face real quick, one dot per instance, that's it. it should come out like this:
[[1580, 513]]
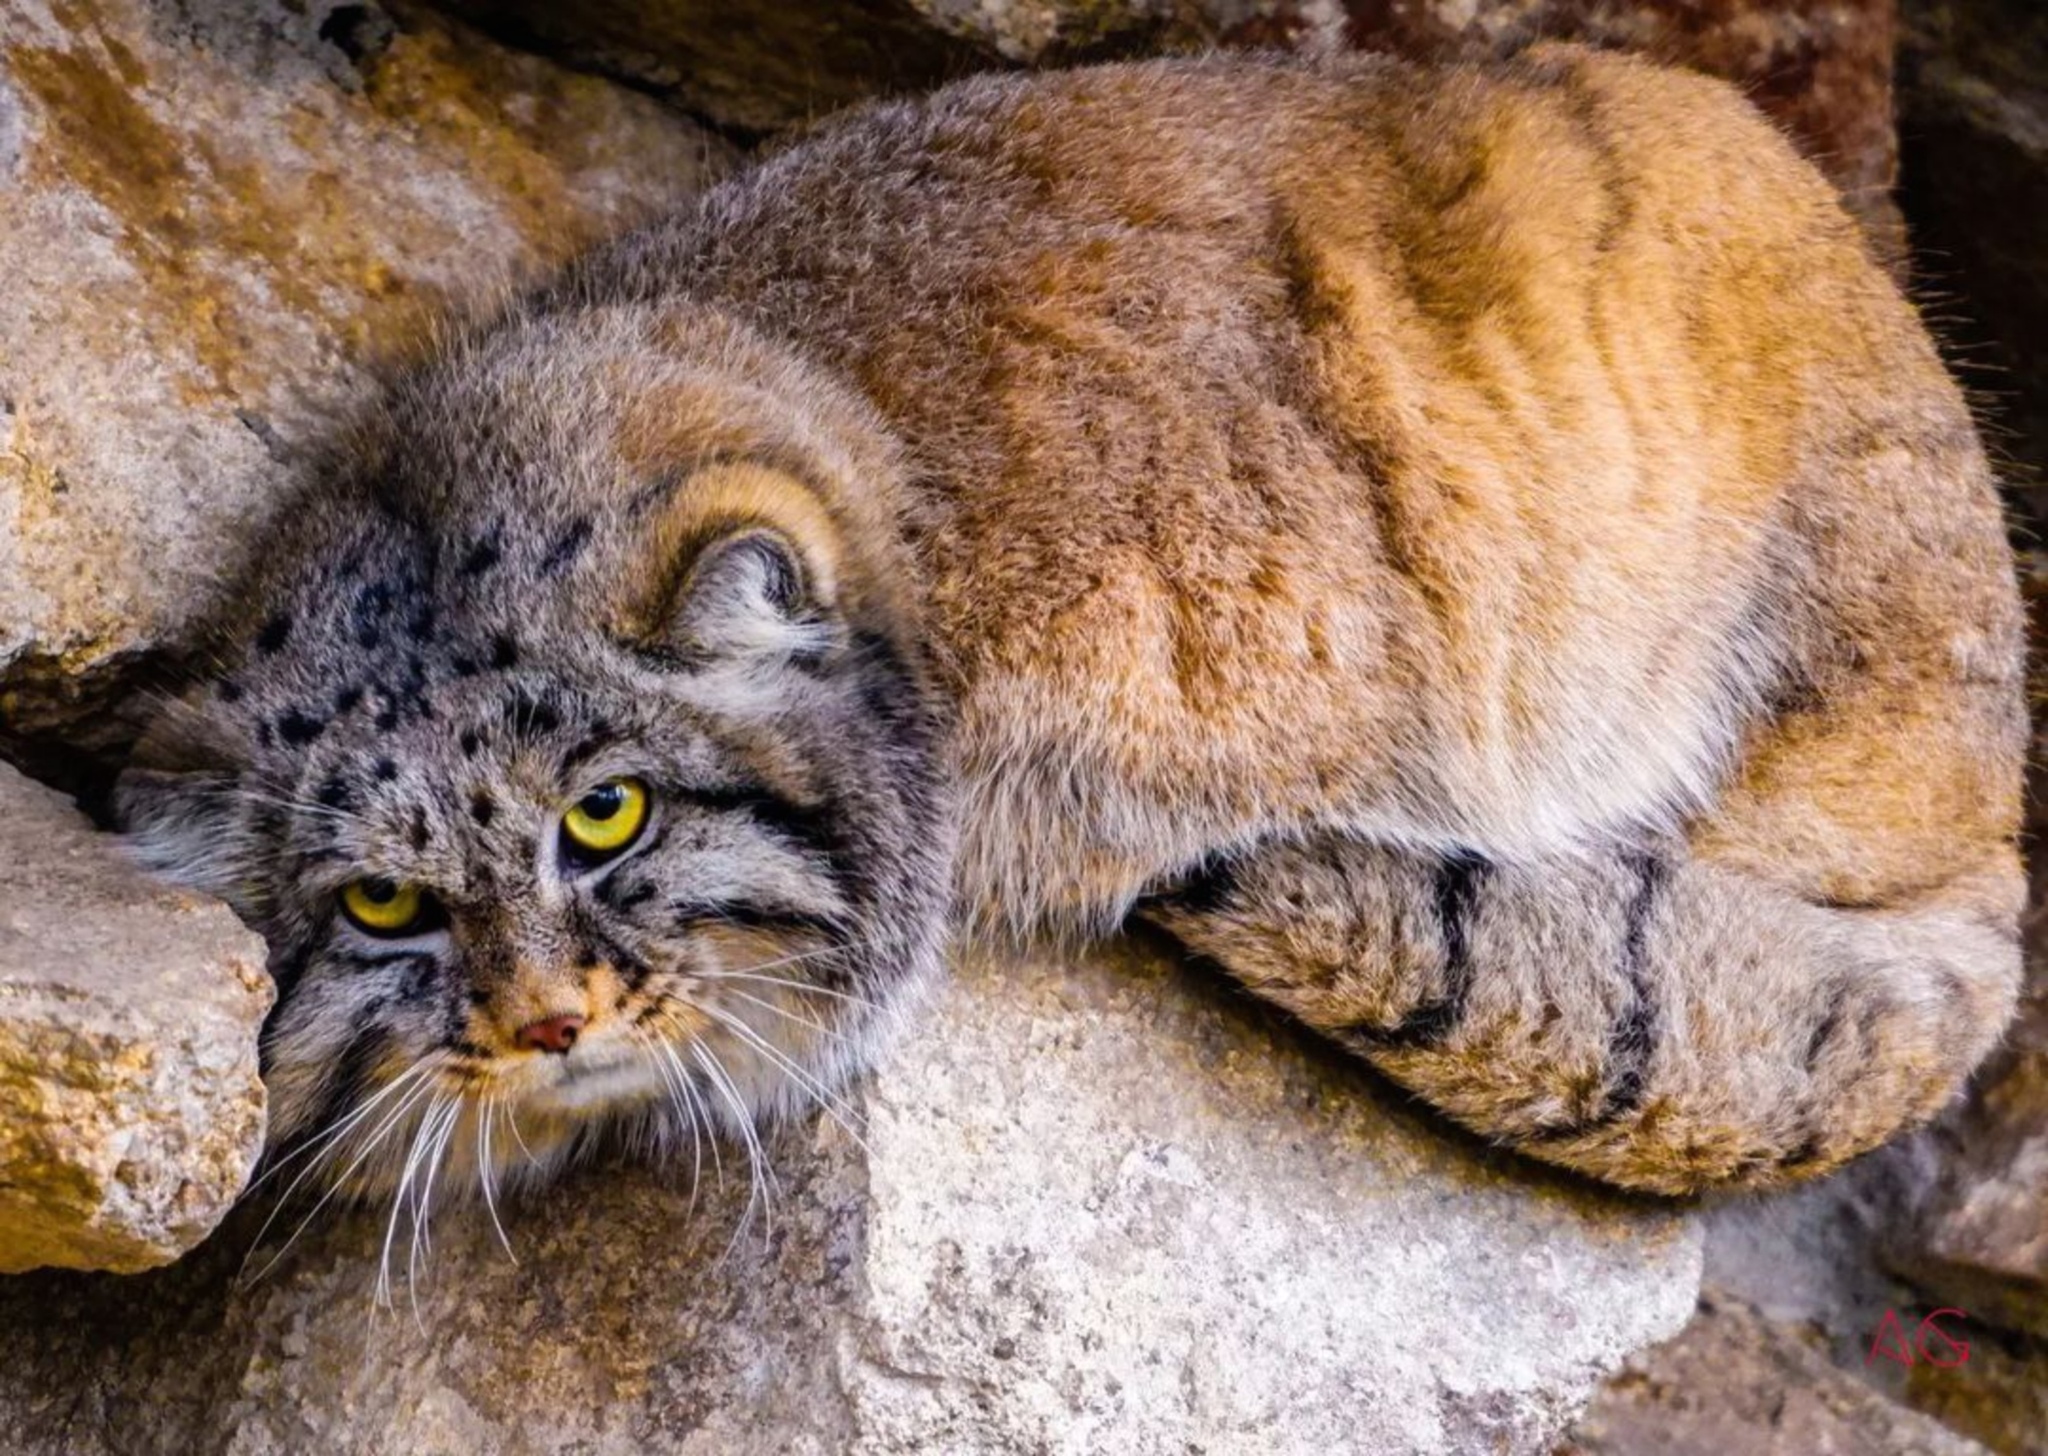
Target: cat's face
[[572, 797]]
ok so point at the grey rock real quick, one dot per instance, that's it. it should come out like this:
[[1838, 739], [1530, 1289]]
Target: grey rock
[[130, 1108], [1098, 1204]]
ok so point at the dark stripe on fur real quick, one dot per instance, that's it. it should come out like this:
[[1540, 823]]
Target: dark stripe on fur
[[1632, 1039], [350, 1080], [1455, 893]]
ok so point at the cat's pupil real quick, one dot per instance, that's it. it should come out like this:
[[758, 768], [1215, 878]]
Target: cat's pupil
[[602, 803], [379, 892]]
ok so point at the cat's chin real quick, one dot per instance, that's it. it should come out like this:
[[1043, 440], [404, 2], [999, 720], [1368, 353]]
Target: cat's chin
[[591, 1080]]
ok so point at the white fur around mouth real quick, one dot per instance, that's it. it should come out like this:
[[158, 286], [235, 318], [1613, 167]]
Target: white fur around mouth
[[591, 1077]]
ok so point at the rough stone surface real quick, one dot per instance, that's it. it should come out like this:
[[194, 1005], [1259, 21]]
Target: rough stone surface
[[130, 1108], [1981, 1241], [1737, 1382], [1102, 1206], [756, 67], [218, 215]]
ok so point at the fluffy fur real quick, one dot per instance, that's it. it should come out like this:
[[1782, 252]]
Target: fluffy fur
[[1483, 554]]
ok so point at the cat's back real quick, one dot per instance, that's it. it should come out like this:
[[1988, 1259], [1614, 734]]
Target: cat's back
[[1299, 434]]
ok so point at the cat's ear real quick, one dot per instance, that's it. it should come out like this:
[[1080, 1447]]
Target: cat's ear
[[179, 807], [742, 564]]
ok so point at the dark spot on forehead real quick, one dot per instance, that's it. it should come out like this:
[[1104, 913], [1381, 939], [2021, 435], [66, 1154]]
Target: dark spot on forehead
[[333, 792], [387, 717], [372, 605], [566, 547], [595, 742], [463, 666], [347, 698], [386, 770], [298, 729], [527, 715], [470, 742], [482, 807], [483, 555], [275, 632], [421, 626], [504, 651], [263, 733], [417, 835]]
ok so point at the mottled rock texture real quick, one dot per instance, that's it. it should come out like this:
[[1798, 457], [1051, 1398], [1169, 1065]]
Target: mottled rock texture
[[130, 1108], [218, 215], [1102, 1206], [1981, 1240], [1735, 1382]]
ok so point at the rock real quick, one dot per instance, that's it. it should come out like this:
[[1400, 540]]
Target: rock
[[1999, 1397], [1101, 1206], [1737, 1382], [220, 215], [1981, 1239], [1974, 118], [752, 65], [130, 1108]]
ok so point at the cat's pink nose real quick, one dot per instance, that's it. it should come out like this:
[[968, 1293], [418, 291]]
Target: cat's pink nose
[[556, 1034]]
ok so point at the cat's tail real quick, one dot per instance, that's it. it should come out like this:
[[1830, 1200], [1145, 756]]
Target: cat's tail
[[1653, 1019]]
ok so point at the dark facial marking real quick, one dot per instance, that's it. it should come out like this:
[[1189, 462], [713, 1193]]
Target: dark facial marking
[[386, 770], [347, 698], [350, 1080], [565, 549], [504, 652], [298, 729], [529, 716], [470, 742], [274, 633], [418, 834], [484, 555], [333, 792], [230, 691], [482, 807]]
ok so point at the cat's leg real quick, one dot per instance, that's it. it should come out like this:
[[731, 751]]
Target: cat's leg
[[1657, 1018]]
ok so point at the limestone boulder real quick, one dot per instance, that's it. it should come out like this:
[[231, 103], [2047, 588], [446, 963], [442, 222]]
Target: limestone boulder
[[217, 218], [130, 1107], [1095, 1204]]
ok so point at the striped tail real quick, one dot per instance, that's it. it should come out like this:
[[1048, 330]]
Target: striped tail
[[1653, 1020]]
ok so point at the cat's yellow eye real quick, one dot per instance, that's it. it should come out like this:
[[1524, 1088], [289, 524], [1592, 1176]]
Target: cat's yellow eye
[[606, 820], [382, 907]]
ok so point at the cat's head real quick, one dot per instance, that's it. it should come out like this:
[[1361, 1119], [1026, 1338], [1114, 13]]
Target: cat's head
[[573, 751]]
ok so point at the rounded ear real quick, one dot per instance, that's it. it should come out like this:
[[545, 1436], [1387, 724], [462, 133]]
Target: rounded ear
[[742, 564]]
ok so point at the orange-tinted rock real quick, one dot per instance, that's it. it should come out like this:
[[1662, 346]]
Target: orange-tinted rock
[[219, 217]]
